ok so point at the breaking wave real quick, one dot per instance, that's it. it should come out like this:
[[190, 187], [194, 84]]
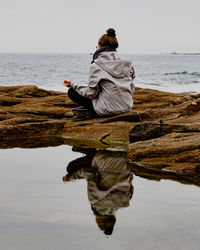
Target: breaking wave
[[183, 73]]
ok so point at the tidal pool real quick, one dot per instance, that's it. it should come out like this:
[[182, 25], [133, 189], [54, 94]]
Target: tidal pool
[[96, 203]]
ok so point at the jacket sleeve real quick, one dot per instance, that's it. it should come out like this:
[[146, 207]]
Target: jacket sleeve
[[92, 90]]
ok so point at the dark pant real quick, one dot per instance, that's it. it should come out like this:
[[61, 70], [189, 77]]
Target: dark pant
[[81, 100]]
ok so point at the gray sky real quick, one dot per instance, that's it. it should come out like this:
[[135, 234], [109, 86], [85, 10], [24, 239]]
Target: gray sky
[[142, 26]]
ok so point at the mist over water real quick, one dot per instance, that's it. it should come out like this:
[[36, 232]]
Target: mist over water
[[173, 73]]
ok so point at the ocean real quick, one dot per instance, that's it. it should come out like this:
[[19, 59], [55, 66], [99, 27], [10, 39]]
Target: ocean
[[166, 72]]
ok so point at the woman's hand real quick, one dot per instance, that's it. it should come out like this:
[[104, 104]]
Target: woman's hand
[[65, 179], [67, 83]]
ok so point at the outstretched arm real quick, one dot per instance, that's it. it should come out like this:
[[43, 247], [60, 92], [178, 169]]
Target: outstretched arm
[[92, 90]]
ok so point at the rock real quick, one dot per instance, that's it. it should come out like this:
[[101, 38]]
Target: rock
[[192, 108], [149, 130], [169, 146], [27, 112], [161, 133], [170, 142]]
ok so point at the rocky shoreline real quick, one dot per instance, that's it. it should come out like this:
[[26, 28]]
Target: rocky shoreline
[[161, 134]]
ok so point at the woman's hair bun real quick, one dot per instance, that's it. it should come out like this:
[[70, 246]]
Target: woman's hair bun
[[111, 32]]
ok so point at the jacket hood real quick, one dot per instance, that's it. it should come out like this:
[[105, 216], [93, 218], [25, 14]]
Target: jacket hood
[[112, 64]]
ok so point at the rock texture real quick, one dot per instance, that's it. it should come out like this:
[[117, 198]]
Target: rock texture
[[161, 133], [171, 141], [28, 112]]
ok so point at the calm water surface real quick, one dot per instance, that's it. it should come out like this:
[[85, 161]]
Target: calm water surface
[[101, 204]]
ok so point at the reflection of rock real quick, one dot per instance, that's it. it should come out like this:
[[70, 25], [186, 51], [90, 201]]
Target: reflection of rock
[[37, 142], [109, 184], [186, 177]]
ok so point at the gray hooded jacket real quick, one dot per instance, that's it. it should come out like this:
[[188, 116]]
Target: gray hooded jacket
[[110, 84]]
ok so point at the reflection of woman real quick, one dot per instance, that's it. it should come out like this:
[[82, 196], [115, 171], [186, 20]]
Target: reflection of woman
[[110, 87], [109, 185]]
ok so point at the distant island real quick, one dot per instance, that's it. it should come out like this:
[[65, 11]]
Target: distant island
[[188, 54]]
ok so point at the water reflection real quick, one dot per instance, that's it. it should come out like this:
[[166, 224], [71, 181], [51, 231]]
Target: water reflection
[[109, 184]]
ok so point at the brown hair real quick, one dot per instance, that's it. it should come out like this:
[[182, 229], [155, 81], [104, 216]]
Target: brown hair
[[109, 39]]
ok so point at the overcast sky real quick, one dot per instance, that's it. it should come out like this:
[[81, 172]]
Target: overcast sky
[[142, 26]]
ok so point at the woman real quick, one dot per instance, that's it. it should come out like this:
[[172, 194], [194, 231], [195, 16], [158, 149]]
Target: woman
[[110, 88]]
